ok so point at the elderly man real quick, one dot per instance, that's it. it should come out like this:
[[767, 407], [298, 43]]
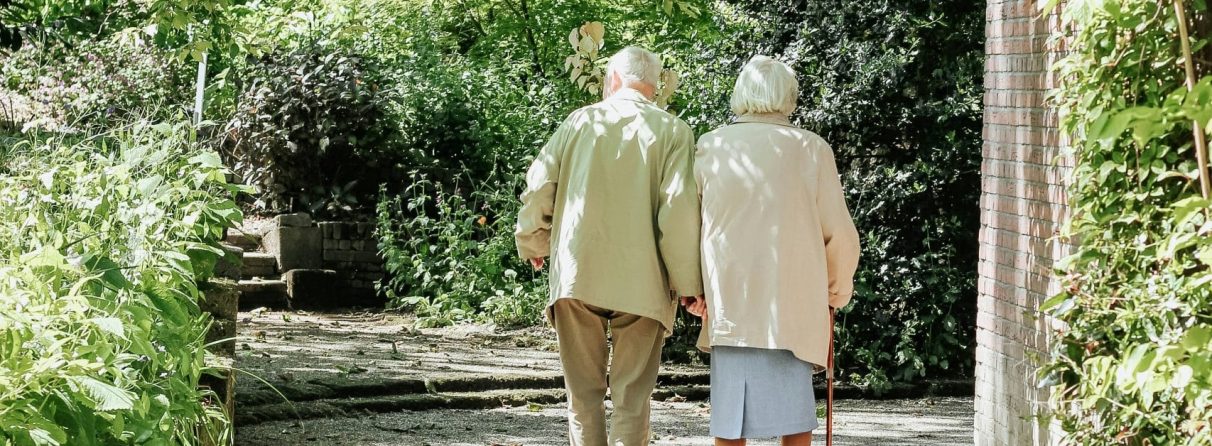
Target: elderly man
[[612, 199]]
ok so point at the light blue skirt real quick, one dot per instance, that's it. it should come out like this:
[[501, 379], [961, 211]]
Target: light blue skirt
[[760, 393]]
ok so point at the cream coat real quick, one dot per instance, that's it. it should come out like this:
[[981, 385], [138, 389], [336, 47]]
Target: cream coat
[[779, 246], [611, 198]]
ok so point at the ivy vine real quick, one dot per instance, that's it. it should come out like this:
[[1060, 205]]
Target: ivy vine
[[1131, 356]]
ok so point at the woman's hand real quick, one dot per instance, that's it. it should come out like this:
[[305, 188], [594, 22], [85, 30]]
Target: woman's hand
[[695, 305]]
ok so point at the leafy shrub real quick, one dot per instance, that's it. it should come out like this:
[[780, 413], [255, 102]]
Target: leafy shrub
[[98, 83], [470, 100], [103, 242], [895, 87], [453, 260], [905, 127], [309, 121], [437, 109], [1131, 356], [186, 28]]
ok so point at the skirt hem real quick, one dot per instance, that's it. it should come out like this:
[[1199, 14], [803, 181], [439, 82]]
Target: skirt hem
[[772, 431]]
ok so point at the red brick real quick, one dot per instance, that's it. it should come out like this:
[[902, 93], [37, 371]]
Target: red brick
[[1022, 205]]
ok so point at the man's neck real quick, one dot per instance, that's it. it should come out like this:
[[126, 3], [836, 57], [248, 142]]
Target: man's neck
[[643, 89], [647, 90]]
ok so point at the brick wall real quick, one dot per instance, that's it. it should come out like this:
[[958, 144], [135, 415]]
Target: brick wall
[[1022, 203], [350, 249]]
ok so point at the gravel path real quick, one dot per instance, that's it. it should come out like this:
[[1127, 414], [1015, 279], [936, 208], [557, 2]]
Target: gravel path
[[938, 422], [295, 350], [285, 347]]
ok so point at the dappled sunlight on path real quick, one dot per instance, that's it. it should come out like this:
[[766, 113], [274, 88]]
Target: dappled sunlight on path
[[300, 349], [300, 346], [936, 422], [353, 375]]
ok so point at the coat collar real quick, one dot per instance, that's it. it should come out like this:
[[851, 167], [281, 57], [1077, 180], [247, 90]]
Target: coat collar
[[629, 94], [765, 118]]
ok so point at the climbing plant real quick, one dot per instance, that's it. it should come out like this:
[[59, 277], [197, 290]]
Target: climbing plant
[[1131, 356]]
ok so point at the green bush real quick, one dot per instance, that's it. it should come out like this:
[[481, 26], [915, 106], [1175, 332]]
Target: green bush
[[97, 83], [452, 259], [309, 128], [894, 87], [186, 28], [1131, 354], [103, 242]]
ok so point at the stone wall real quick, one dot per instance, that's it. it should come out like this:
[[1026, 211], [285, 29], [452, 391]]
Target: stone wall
[[350, 249], [329, 264], [221, 299], [1022, 205]]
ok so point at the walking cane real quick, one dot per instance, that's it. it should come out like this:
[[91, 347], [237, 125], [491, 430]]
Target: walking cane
[[829, 387]]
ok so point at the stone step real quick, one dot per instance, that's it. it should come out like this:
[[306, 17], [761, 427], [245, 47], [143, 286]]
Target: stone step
[[247, 241], [221, 299], [259, 264], [336, 399], [231, 264], [346, 405], [269, 293], [669, 384]]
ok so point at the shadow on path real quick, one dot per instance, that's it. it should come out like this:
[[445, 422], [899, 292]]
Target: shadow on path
[[938, 422]]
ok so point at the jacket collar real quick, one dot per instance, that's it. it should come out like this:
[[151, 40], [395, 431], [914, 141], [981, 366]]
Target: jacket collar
[[765, 118], [629, 94]]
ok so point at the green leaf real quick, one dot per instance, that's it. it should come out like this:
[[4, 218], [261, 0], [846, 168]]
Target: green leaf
[[1046, 8], [42, 437], [1053, 301], [1186, 208], [111, 273], [163, 127], [45, 256], [207, 159], [179, 261], [1205, 256], [41, 430], [1182, 376], [110, 325], [1197, 338], [105, 396], [147, 186]]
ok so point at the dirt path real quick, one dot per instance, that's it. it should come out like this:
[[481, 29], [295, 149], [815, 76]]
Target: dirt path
[[938, 422], [354, 378]]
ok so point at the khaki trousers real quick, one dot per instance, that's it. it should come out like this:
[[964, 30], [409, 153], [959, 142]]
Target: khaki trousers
[[637, 342]]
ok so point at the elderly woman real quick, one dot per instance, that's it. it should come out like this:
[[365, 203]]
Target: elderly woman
[[779, 250]]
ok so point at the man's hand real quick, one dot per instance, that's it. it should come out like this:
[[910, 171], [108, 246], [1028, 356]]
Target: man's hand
[[695, 305], [537, 263]]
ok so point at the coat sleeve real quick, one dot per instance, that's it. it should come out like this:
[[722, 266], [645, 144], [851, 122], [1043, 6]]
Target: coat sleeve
[[841, 237], [533, 231], [678, 217]]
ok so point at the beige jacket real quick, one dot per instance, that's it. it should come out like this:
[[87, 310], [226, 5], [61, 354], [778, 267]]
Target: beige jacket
[[611, 198], [779, 246]]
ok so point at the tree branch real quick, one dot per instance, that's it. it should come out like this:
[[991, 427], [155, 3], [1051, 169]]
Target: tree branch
[[1201, 144], [524, 13], [474, 19]]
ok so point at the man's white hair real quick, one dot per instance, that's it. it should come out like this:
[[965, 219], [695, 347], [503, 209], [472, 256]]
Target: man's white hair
[[635, 64], [765, 85]]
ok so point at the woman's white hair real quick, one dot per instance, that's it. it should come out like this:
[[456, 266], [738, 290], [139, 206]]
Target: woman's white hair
[[765, 85], [635, 64]]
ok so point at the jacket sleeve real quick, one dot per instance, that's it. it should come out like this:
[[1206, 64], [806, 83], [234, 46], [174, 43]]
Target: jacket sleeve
[[841, 237], [678, 217], [533, 231]]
